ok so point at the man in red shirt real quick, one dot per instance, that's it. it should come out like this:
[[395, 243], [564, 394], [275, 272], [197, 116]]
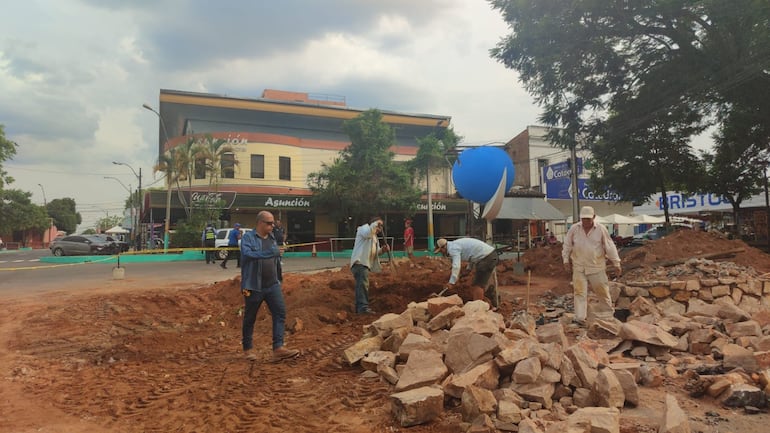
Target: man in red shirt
[[409, 238]]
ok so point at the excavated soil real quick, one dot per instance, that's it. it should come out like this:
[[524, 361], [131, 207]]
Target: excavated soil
[[169, 359]]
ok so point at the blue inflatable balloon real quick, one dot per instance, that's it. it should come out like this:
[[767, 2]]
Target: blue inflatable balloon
[[477, 172]]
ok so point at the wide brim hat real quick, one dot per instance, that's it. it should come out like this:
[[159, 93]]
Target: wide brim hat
[[441, 243]]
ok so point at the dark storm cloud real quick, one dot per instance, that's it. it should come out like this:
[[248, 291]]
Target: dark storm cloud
[[204, 32]]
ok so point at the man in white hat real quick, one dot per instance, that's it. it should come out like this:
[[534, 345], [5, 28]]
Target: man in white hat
[[588, 246], [482, 257]]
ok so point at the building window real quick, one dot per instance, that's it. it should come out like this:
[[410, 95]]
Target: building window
[[200, 168], [228, 165], [257, 166], [284, 168]]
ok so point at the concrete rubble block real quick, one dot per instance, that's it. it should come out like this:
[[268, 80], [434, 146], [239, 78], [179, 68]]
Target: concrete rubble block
[[709, 282], [550, 375], [414, 342], [538, 392], [642, 307], [485, 323], [529, 426], [743, 329], [616, 289], [527, 370], [419, 311], [742, 395], [555, 353], [752, 286], [423, 368], [735, 356], [476, 401], [417, 406], [440, 338], [472, 307], [650, 376], [766, 286], [761, 344], [697, 307], [552, 333], [510, 395], [386, 323], [719, 386], [507, 358], [600, 420], [720, 290], [441, 303], [729, 311], [567, 371], [705, 295], [607, 389], [660, 292], [485, 375], [373, 359], [445, 318], [678, 285], [394, 340], [586, 355], [359, 349], [764, 377], [583, 397], [647, 333], [736, 295], [467, 349], [523, 321], [628, 384], [482, 424], [508, 411], [762, 359], [388, 373], [750, 304], [693, 285], [516, 334], [674, 419]]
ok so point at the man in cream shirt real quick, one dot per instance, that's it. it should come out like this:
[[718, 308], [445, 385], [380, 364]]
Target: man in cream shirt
[[364, 259], [588, 246]]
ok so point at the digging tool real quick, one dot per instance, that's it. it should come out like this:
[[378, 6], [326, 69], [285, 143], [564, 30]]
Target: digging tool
[[529, 278], [390, 255]]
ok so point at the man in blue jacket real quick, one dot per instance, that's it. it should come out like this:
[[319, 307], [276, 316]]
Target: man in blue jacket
[[260, 281], [233, 240]]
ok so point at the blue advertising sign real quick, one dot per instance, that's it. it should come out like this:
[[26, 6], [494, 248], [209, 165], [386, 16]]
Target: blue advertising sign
[[558, 184]]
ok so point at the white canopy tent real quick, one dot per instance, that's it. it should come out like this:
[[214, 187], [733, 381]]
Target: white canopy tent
[[117, 230], [620, 219]]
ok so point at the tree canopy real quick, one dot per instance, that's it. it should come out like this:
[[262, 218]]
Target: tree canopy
[[7, 151], [365, 180], [64, 214], [634, 80]]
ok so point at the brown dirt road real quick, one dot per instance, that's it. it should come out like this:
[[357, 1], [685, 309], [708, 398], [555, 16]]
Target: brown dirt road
[[160, 357]]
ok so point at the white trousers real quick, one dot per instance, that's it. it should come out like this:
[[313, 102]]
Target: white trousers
[[599, 284]]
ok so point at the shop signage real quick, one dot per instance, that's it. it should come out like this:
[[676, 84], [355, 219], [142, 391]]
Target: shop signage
[[216, 200], [296, 202]]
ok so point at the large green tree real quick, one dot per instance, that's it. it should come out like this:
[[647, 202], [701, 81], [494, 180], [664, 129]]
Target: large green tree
[[365, 180], [7, 151], [64, 213], [19, 214], [639, 63]]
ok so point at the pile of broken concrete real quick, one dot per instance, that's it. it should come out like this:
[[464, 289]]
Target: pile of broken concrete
[[515, 375]]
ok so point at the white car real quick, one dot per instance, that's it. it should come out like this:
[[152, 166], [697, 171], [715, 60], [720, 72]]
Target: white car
[[221, 241]]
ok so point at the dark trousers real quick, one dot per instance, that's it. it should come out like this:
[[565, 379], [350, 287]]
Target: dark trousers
[[210, 253], [361, 275], [274, 298]]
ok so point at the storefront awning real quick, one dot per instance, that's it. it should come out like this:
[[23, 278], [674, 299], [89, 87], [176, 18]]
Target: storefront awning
[[528, 208]]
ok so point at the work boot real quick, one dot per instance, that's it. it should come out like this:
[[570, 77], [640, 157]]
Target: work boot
[[223, 266], [282, 353], [250, 354]]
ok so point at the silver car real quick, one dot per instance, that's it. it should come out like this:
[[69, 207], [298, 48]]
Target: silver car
[[79, 245]]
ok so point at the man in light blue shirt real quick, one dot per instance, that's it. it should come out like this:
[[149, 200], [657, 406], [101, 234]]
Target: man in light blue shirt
[[482, 257], [364, 259]]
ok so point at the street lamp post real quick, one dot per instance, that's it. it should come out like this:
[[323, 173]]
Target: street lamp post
[[45, 204], [168, 179], [128, 189], [139, 216]]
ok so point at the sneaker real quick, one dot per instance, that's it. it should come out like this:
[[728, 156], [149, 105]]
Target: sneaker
[[223, 266], [250, 354], [282, 353], [368, 311]]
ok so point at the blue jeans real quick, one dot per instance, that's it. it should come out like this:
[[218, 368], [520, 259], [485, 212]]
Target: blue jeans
[[361, 274], [274, 298]]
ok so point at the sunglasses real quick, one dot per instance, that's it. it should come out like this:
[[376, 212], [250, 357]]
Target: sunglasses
[[270, 223]]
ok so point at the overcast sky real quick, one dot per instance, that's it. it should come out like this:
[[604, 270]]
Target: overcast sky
[[75, 73]]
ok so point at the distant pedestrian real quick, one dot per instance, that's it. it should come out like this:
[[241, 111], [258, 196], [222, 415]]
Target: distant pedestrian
[[588, 246], [481, 257], [233, 241], [408, 238], [208, 240], [260, 282], [364, 259]]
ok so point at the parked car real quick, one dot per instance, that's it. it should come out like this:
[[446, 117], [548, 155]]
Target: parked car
[[658, 232], [222, 240], [78, 245], [122, 245]]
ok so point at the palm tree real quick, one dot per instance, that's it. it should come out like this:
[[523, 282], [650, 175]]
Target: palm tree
[[213, 152]]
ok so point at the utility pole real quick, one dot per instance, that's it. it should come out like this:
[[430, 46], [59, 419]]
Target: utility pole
[[574, 179]]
